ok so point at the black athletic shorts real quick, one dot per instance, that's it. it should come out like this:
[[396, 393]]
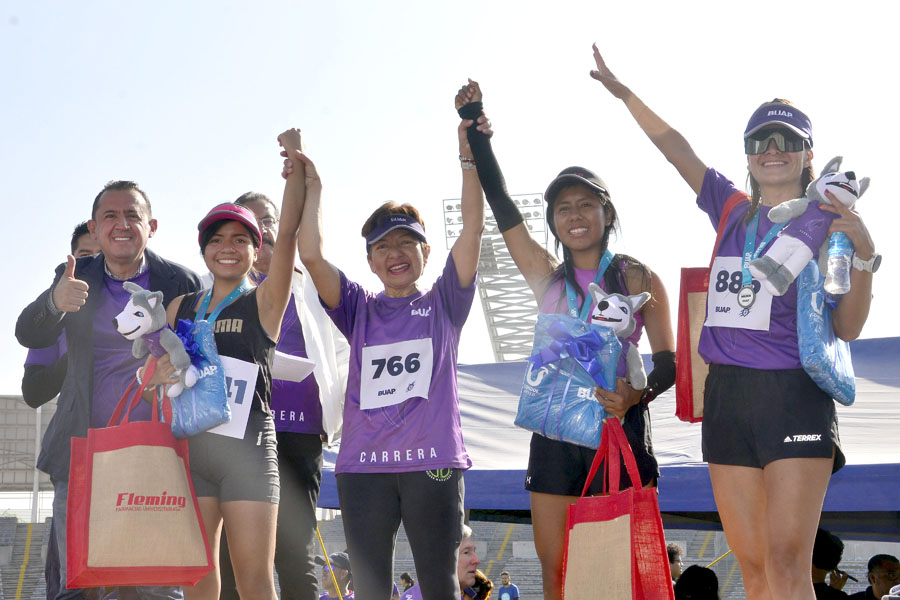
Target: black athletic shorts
[[231, 469], [752, 417], [561, 468]]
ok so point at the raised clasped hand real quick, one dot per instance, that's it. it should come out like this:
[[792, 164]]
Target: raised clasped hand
[[69, 293]]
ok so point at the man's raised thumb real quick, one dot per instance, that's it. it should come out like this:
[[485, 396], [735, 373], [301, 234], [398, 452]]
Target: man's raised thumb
[[70, 267]]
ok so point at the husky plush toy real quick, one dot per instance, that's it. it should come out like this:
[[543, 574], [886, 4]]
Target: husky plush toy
[[616, 311], [144, 321], [807, 234]]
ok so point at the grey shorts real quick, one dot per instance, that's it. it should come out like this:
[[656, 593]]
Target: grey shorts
[[231, 469], [752, 417]]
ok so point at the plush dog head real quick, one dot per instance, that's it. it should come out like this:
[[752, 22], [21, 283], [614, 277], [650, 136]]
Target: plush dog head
[[843, 185], [143, 314], [616, 311]]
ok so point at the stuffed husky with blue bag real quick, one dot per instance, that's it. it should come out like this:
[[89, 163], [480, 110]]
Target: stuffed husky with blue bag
[[617, 311]]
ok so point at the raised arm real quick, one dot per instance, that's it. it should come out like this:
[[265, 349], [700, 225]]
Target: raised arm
[[325, 275], [467, 247], [533, 260], [672, 144], [275, 291]]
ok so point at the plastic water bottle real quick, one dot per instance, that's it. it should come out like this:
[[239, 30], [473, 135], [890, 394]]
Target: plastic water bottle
[[840, 256]]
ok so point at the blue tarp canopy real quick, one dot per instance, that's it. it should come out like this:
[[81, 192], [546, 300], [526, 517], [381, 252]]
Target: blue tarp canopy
[[862, 498]]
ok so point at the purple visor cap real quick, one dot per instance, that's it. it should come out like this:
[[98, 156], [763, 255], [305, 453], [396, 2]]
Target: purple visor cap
[[231, 212], [776, 113], [395, 221]]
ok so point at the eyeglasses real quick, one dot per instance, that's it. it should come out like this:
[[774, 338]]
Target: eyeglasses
[[268, 222], [785, 141]]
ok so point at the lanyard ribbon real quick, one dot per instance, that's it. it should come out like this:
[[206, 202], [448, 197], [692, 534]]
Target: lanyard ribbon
[[572, 299], [204, 304], [749, 240], [583, 349]]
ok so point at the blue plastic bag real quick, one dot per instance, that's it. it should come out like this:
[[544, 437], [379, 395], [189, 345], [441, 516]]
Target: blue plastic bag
[[569, 359], [205, 405], [824, 356]]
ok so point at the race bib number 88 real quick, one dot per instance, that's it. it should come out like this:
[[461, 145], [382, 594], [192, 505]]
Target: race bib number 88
[[722, 307], [393, 373]]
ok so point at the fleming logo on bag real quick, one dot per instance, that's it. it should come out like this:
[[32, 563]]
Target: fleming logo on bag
[[132, 501]]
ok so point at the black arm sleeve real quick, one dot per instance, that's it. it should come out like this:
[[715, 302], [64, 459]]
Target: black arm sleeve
[[661, 377], [506, 213], [41, 384]]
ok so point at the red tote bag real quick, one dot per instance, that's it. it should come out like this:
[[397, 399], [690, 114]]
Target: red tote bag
[[133, 517], [615, 546], [691, 371]]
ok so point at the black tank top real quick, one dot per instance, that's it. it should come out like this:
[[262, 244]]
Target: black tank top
[[240, 335]]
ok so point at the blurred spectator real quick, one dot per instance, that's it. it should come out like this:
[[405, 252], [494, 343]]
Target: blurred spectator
[[676, 554], [884, 573], [827, 552], [697, 583]]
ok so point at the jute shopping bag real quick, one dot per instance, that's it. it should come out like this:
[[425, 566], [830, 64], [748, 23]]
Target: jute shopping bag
[[615, 547], [691, 371], [133, 517]]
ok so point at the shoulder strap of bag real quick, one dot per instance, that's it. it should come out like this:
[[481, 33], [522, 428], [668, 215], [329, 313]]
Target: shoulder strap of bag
[[733, 200], [613, 444], [136, 399]]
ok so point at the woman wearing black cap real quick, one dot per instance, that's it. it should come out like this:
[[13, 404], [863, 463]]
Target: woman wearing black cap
[[581, 215], [235, 472], [769, 433]]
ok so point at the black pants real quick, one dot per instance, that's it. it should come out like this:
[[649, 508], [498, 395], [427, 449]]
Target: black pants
[[300, 472], [430, 506]]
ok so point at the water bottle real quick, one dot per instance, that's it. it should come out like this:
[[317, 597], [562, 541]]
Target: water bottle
[[840, 256]]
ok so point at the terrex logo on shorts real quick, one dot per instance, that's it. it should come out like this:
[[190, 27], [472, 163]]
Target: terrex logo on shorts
[[132, 501], [804, 438]]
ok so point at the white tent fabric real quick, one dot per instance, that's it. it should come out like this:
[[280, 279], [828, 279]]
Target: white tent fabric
[[870, 436]]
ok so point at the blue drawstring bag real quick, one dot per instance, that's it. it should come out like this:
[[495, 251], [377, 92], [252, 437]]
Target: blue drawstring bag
[[569, 359], [205, 405], [825, 357]]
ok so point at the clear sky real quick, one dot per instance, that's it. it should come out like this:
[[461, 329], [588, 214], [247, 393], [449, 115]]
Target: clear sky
[[187, 98]]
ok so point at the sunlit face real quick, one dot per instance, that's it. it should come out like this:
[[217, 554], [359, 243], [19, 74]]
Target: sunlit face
[[580, 217], [86, 246], [230, 253], [328, 582], [398, 259], [467, 564], [122, 225], [776, 168], [268, 225], [504, 579]]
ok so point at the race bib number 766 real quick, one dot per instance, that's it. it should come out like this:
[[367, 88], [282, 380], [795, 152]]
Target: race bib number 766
[[393, 373]]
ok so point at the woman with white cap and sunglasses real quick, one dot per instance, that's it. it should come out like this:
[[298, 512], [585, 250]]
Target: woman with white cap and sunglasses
[[769, 433], [236, 476], [402, 454], [581, 216]]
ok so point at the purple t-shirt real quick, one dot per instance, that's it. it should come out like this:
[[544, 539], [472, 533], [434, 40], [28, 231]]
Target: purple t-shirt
[[403, 349], [554, 302], [44, 357], [295, 404], [114, 364], [772, 349]]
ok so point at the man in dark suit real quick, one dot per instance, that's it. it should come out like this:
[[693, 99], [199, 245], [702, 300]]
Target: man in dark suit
[[82, 301]]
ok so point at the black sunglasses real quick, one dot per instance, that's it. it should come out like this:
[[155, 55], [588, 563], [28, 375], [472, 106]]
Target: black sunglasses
[[785, 140]]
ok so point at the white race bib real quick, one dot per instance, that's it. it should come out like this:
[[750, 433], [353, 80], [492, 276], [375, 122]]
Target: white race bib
[[240, 383], [392, 373], [722, 308]]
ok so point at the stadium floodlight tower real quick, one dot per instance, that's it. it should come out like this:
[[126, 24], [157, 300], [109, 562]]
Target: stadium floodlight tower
[[509, 306]]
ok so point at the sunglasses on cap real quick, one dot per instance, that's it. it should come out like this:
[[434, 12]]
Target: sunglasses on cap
[[785, 141]]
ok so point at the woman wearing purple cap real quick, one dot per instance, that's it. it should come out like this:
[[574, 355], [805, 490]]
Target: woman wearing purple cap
[[234, 467], [402, 454], [581, 216], [769, 433]]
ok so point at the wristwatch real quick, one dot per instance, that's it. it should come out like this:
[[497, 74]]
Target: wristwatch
[[870, 265]]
